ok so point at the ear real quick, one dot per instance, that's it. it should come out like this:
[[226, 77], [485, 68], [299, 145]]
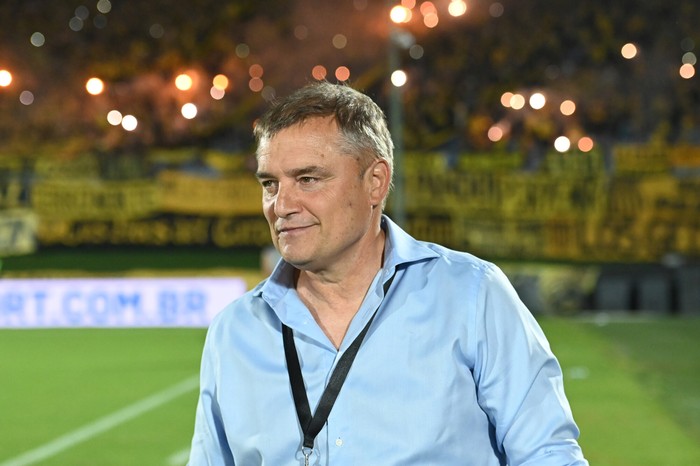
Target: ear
[[380, 180]]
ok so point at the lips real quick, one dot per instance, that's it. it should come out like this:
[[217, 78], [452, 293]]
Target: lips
[[290, 229]]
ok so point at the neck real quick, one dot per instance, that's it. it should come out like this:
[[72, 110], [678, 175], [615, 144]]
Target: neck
[[334, 296]]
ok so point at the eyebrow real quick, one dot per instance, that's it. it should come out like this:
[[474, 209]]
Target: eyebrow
[[296, 172]]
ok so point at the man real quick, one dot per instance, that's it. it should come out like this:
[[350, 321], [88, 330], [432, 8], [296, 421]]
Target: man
[[366, 346]]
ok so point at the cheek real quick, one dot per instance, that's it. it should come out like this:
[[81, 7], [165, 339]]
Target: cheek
[[268, 209]]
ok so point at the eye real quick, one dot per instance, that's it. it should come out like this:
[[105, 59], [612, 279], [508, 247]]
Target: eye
[[269, 186], [307, 179]]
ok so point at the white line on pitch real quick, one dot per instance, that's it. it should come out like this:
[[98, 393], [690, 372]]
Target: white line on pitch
[[179, 458], [103, 424]]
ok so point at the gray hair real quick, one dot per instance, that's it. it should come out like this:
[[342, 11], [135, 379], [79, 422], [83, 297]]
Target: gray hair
[[362, 124]]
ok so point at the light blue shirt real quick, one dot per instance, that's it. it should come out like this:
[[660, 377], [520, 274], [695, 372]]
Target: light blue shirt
[[453, 371]]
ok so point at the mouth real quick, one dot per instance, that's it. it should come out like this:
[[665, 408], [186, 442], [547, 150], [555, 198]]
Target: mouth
[[290, 230]]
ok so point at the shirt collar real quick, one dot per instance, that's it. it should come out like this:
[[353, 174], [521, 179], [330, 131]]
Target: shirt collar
[[400, 249]]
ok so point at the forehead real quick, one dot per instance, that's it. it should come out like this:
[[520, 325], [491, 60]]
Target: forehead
[[315, 138], [312, 129]]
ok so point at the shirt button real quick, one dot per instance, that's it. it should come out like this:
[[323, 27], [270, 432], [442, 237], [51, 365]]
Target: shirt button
[[339, 442]]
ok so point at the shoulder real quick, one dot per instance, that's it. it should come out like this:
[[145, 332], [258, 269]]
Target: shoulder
[[466, 275], [453, 273], [462, 262]]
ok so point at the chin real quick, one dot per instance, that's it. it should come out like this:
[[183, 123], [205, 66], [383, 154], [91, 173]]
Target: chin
[[294, 259], [298, 263]]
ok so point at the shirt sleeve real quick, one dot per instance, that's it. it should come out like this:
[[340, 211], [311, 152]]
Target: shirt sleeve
[[209, 444], [520, 382]]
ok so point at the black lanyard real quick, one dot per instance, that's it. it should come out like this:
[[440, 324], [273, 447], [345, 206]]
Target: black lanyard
[[312, 425]]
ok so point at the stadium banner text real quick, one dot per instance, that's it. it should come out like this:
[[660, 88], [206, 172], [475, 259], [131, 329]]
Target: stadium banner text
[[115, 302], [640, 203]]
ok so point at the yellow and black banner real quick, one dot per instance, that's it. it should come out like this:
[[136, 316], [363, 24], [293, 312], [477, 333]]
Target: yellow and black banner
[[572, 207]]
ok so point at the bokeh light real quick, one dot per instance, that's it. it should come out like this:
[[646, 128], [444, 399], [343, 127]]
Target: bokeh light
[[184, 82], [26, 97], [256, 84], [517, 101], [37, 39], [430, 14], [495, 133], [75, 24], [568, 107], [216, 93], [342, 73], [416, 51], [562, 144], [5, 78], [242, 50], [427, 8], [156, 31], [256, 70], [114, 117], [104, 6], [340, 41], [400, 14], [689, 58], [220, 81], [95, 86], [319, 72], [687, 71], [629, 51], [537, 100], [431, 20], [585, 144], [82, 12], [457, 7], [496, 9], [399, 78], [505, 99], [129, 122], [189, 110]]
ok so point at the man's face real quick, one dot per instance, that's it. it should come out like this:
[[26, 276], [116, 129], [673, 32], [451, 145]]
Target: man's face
[[315, 198]]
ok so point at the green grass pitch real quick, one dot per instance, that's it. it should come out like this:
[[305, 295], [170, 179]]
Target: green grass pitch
[[634, 389]]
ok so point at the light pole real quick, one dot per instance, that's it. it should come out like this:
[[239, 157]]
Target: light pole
[[398, 205], [401, 39]]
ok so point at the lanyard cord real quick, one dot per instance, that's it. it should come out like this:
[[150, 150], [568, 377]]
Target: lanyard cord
[[312, 425]]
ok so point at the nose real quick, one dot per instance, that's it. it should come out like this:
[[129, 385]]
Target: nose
[[286, 201]]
